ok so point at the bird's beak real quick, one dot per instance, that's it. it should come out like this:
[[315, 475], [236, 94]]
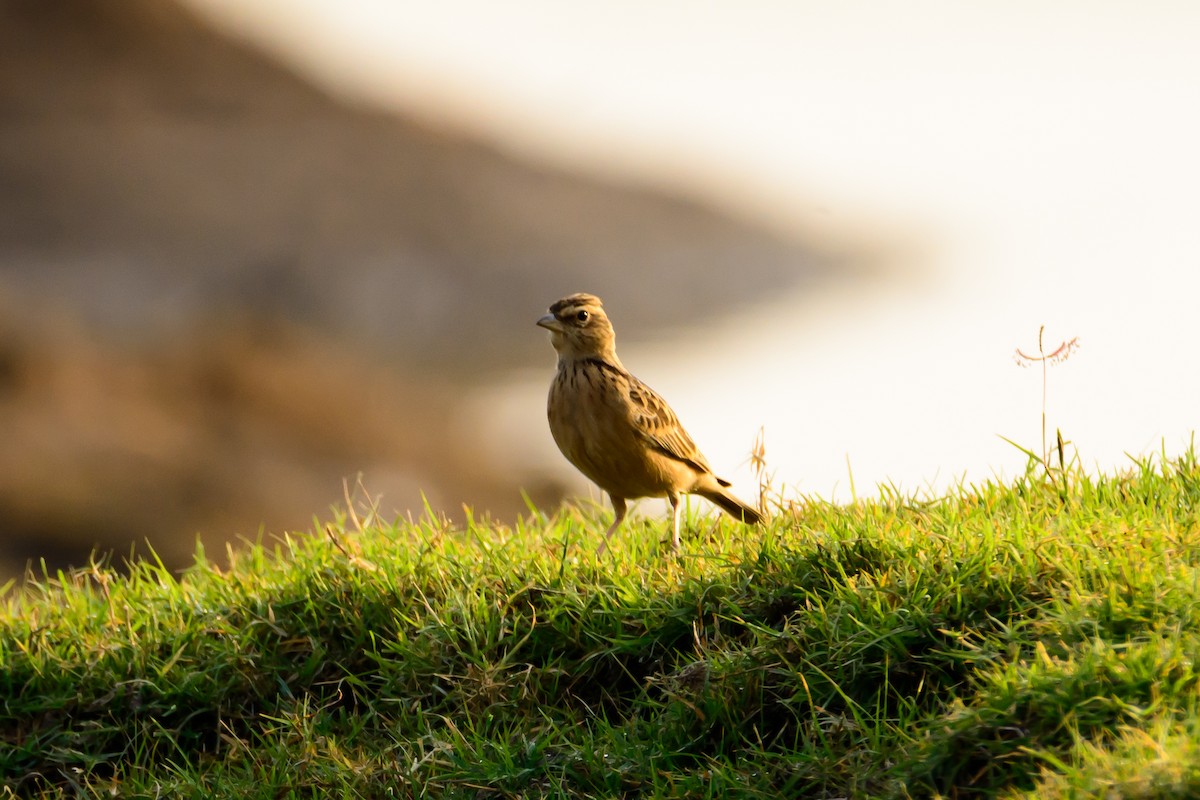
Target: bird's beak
[[550, 322]]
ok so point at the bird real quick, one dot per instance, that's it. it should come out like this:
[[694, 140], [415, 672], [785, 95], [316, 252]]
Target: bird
[[615, 429]]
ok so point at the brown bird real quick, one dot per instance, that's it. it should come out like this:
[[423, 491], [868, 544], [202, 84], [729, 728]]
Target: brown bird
[[615, 429]]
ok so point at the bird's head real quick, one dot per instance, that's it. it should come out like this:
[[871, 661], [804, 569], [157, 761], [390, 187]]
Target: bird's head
[[579, 328]]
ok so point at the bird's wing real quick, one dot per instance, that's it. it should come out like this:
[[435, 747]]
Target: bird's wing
[[657, 424]]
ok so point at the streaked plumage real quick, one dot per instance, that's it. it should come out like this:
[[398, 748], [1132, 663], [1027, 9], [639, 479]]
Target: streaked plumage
[[617, 430]]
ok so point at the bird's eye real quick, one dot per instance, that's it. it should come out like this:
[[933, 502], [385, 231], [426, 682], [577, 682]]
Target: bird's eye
[[582, 316]]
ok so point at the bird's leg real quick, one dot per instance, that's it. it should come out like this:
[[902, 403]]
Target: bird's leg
[[618, 515], [676, 510]]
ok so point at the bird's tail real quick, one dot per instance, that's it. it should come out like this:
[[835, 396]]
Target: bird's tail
[[730, 504]]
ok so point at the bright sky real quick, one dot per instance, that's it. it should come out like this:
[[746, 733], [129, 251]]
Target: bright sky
[[1046, 150]]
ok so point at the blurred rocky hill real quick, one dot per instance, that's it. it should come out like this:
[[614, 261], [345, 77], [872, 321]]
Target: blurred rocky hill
[[222, 291]]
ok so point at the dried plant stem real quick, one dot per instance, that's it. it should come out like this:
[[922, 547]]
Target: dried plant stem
[[1060, 353], [1045, 379]]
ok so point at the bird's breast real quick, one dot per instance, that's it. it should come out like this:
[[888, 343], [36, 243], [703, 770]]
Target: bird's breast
[[592, 422]]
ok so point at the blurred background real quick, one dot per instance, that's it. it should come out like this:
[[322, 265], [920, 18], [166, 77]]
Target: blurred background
[[251, 249]]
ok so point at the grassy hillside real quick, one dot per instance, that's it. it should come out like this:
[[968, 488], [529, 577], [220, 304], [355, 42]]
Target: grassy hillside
[[1033, 640]]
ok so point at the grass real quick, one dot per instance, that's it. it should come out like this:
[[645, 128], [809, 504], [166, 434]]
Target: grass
[[1032, 640]]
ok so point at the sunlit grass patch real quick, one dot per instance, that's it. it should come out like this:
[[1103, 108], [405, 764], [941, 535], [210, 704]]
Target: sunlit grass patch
[[1032, 639]]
